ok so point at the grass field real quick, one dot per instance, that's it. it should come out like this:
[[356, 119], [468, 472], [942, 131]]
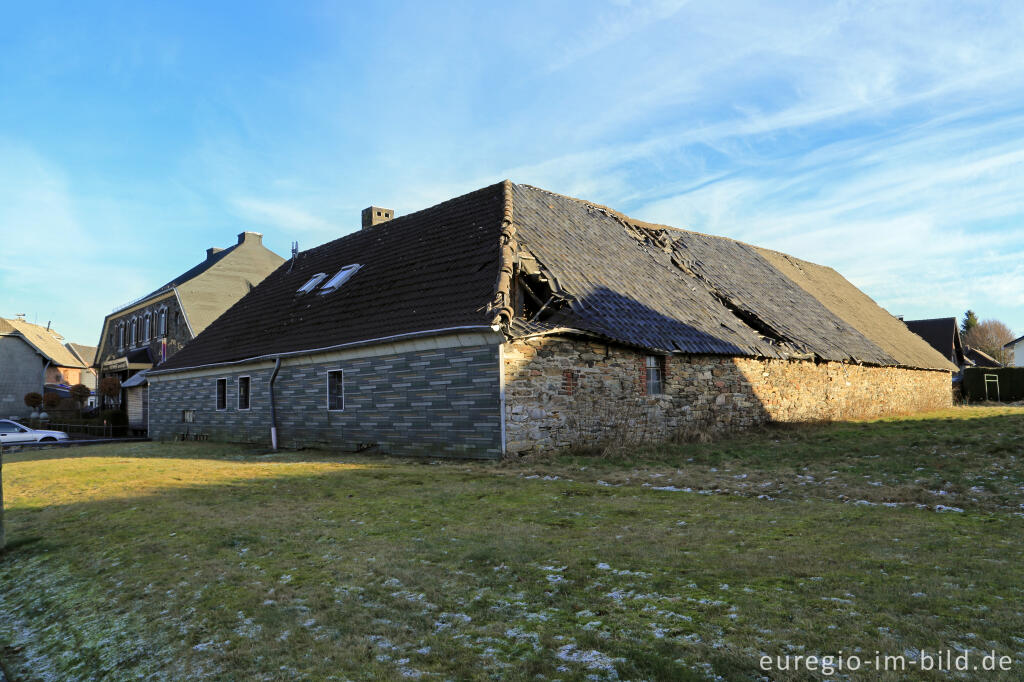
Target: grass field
[[186, 560]]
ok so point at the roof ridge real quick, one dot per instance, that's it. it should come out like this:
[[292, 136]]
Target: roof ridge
[[501, 304], [646, 225]]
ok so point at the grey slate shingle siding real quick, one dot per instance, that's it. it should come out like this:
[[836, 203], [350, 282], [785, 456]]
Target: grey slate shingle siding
[[437, 402]]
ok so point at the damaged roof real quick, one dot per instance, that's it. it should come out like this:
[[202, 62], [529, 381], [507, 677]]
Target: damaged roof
[[533, 262]]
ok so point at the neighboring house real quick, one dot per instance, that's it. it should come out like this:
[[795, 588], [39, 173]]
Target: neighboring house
[[87, 354], [979, 358], [1017, 348], [147, 331], [942, 334], [513, 319], [33, 357]]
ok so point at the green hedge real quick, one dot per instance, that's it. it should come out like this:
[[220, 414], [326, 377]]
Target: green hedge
[[1011, 383]]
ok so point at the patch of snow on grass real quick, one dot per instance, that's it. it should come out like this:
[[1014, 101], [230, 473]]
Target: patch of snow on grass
[[591, 659]]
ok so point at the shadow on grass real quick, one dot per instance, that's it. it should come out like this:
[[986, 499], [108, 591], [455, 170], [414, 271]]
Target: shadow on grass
[[19, 547], [225, 452]]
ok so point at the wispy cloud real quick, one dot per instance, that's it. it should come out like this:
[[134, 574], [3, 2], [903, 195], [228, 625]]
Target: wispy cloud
[[883, 139], [282, 215]]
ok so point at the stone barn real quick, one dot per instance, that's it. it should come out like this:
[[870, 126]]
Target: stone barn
[[513, 319]]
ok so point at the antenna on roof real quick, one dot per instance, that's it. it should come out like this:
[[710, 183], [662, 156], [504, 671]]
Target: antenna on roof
[[295, 252]]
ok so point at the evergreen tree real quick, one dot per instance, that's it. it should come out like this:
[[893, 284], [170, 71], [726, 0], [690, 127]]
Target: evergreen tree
[[969, 323]]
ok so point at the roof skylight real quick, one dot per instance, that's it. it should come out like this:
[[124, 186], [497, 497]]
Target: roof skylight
[[340, 278], [311, 284]]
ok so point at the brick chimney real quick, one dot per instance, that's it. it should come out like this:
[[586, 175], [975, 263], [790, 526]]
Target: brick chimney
[[375, 215], [255, 237]]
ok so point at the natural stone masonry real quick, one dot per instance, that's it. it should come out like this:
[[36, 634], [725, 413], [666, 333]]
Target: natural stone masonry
[[603, 396], [434, 402]]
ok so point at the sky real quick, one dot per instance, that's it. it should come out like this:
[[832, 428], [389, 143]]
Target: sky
[[885, 140]]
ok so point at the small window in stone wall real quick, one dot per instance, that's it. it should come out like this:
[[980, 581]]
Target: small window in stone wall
[[243, 393], [188, 416], [336, 390], [654, 374], [222, 394], [570, 381]]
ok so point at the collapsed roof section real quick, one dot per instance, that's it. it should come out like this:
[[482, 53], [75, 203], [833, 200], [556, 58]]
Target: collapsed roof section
[[671, 290], [528, 262]]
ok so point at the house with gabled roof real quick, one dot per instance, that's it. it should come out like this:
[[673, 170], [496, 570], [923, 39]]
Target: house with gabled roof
[[514, 319], [942, 334], [36, 359], [146, 331], [1016, 347]]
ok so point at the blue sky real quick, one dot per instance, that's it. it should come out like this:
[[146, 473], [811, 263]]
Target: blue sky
[[884, 140]]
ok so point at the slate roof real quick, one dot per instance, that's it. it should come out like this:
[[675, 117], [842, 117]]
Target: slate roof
[[942, 334], [428, 270], [980, 358], [602, 273], [137, 379], [46, 342], [87, 354]]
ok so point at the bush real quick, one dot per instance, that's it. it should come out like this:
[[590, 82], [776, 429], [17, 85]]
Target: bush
[[51, 400], [33, 400], [1011, 383], [80, 393]]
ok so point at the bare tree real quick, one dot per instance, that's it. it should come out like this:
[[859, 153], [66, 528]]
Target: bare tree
[[990, 336]]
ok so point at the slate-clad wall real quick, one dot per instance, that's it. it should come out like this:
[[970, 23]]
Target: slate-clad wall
[[432, 402], [21, 372], [177, 330], [702, 392]]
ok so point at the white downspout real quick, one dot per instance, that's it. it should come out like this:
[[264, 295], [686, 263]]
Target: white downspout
[[273, 413], [501, 394]]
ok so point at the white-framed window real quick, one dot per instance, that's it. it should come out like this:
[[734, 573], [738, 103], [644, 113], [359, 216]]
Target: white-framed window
[[340, 278], [222, 394], [243, 393], [120, 335], [147, 328], [335, 390], [311, 284], [135, 332], [655, 366], [161, 325]]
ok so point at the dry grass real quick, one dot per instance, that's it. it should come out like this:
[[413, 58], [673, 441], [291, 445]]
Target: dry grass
[[193, 560]]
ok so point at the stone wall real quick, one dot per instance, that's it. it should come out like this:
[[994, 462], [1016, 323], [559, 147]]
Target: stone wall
[[439, 401], [562, 392]]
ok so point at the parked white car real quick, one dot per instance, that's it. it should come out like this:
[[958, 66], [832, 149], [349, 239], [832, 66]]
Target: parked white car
[[11, 432]]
